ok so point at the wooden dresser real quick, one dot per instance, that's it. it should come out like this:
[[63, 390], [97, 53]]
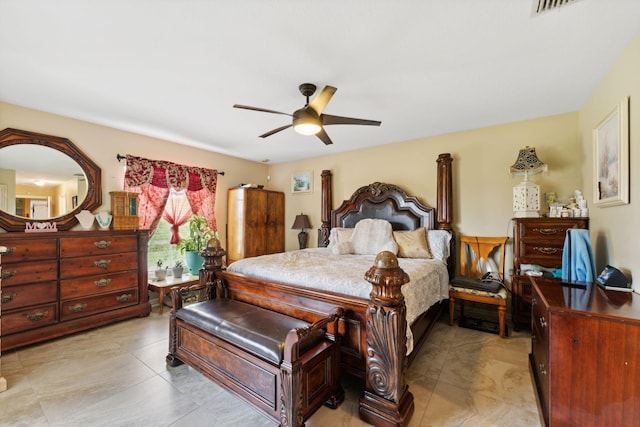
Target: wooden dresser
[[255, 221], [584, 355], [59, 283], [536, 241]]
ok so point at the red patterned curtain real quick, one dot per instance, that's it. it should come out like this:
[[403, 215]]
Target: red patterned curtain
[[153, 179], [176, 212]]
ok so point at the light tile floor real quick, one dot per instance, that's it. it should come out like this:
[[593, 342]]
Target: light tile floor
[[116, 376]]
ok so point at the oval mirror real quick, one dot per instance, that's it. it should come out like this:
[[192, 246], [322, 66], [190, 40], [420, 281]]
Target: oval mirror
[[44, 178]]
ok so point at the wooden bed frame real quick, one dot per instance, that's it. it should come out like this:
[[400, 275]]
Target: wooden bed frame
[[386, 400]]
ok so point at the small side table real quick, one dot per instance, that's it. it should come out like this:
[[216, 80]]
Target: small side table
[[162, 286]]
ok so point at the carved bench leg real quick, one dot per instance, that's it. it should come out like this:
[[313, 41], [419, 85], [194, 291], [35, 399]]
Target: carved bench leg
[[291, 395], [171, 359]]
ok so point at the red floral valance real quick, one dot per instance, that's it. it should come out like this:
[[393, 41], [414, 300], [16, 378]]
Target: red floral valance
[[163, 174]]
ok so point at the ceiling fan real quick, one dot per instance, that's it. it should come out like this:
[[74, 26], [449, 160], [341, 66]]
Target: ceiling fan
[[309, 119]]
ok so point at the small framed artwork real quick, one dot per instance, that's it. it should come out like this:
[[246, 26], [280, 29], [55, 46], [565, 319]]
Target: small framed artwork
[[302, 182], [611, 157]]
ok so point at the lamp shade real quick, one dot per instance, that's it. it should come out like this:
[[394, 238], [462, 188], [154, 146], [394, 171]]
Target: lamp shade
[[527, 163], [301, 222]]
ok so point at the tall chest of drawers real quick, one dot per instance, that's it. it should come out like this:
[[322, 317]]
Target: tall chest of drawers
[[537, 241], [59, 283]]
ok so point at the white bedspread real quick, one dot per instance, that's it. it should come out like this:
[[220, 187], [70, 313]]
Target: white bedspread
[[318, 268]]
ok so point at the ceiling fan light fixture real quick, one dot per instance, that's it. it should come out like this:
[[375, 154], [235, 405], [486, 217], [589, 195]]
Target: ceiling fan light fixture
[[306, 122]]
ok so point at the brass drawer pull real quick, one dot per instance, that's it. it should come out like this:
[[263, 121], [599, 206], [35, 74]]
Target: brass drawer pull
[[102, 282], [548, 231], [37, 316], [103, 263], [534, 339], [123, 298], [545, 250], [534, 301], [8, 298], [542, 369], [78, 308], [543, 322], [6, 274], [102, 244]]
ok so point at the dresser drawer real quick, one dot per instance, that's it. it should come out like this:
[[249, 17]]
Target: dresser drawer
[[97, 245], [28, 272], [34, 317], [81, 307], [549, 229], [99, 264], [92, 285], [540, 317], [14, 297], [28, 249], [540, 368]]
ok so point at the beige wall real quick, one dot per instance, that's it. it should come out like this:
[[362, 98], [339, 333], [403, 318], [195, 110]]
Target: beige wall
[[614, 230], [103, 143], [482, 183]]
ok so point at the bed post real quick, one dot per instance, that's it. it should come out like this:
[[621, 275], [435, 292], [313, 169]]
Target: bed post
[[386, 400], [444, 204], [325, 210]]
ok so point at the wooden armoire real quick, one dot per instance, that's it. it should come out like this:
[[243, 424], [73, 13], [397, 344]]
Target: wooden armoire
[[255, 223]]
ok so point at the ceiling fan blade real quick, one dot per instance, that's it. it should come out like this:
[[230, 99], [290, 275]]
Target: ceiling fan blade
[[324, 137], [322, 99], [271, 132], [338, 120], [264, 110]]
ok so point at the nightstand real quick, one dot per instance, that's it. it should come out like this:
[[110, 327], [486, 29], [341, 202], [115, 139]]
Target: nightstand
[[536, 241]]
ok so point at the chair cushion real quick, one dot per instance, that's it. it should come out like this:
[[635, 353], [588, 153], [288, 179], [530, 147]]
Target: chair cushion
[[500, 294], [254, 329]]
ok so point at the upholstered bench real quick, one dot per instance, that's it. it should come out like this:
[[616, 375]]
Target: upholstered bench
[[285, 367]]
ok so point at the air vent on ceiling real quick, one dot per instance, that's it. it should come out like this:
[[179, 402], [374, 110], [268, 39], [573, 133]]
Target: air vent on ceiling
[[545, 5]]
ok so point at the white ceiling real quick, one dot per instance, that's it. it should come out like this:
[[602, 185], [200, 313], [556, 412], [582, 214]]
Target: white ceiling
[[172, 69]]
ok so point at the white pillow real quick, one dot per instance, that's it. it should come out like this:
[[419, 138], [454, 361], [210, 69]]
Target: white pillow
[[412, 244], [342, 248], [439, 244], [371, 236], [339, 234]]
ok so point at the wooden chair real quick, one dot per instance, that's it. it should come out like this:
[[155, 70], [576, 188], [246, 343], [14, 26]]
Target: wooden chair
[[479, 248]]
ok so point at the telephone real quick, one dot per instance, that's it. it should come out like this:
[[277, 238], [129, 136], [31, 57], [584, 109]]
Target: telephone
[[612, 277]]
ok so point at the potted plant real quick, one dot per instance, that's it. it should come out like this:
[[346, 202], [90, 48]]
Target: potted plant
[[199, 234], [161, 273], [177, 269]]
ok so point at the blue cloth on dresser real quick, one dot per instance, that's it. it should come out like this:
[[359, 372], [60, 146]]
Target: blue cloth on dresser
[[577, 256]]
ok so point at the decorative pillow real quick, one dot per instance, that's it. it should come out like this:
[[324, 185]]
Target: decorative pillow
[[342, 248], [339, 234], [412, 244], [371, 236], [439, 244]]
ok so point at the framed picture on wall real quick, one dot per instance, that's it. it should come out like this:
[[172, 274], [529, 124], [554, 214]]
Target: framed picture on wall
[[302, 182], [611, 157]]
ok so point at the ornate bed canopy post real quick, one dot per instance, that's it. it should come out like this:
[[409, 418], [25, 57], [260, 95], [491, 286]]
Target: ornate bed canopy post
[[386, 400], [325, 210], [445, 200]]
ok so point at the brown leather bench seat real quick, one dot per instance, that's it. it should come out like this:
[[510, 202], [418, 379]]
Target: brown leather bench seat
[[284, 366], [258, 331]]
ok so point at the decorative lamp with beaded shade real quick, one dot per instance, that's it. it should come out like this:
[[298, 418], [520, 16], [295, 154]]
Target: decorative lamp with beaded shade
[[526, 195]]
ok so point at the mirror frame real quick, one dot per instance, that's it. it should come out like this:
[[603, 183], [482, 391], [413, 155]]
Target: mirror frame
[[92, 171]]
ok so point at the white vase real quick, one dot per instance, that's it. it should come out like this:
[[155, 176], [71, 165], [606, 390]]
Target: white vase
[[104, 220], [86, 219]]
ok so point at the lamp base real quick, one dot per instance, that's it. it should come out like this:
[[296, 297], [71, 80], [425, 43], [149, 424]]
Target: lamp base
[[302, 239], [526, 200]]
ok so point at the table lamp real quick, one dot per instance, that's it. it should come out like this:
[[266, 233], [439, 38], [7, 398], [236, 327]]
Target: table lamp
[[301, 222], [526, 195]]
